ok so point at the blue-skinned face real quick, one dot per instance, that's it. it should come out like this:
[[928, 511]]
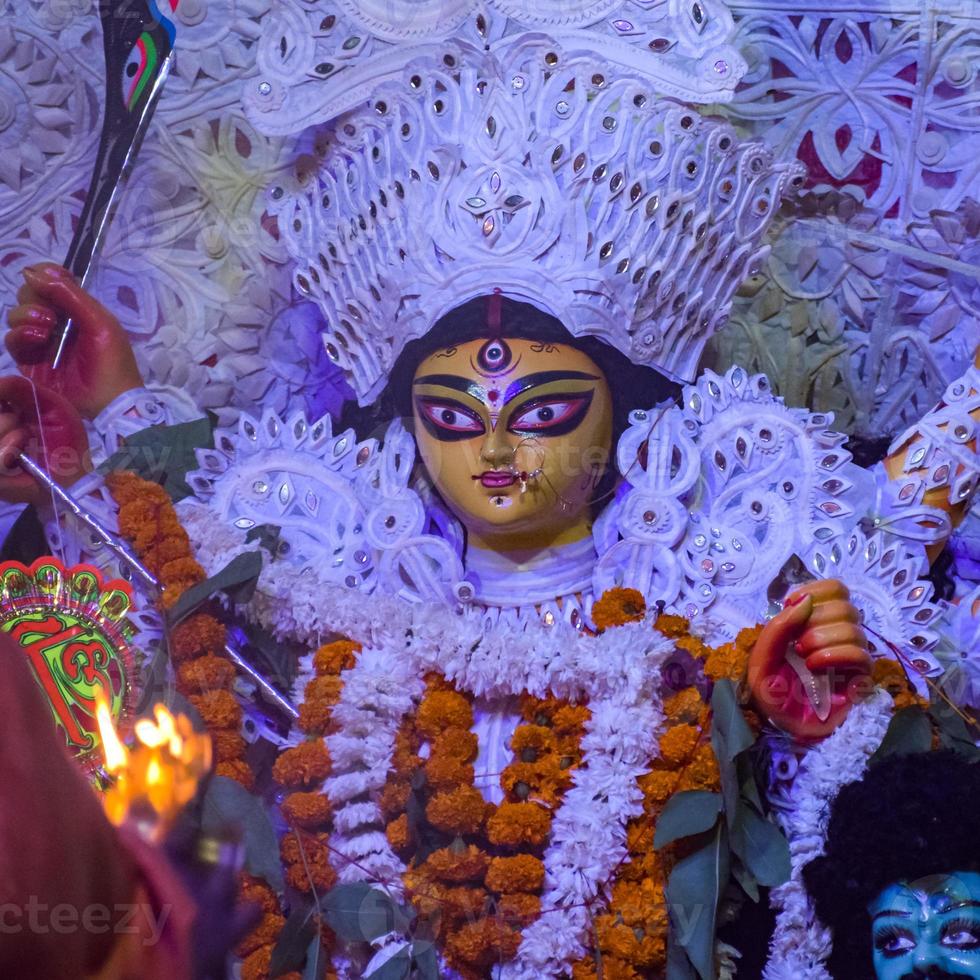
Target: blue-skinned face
[[929, 929]]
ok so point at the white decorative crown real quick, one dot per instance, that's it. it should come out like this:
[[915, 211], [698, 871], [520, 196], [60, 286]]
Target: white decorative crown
[[319, 58], [628, 217]]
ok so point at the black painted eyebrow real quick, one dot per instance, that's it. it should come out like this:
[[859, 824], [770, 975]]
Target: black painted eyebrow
[[889, 912], [446, 380], [969, 903], [541, 378], [465, 385]]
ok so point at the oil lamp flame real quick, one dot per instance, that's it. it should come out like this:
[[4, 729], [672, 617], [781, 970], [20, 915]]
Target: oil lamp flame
[[116, 755], [153, 779]]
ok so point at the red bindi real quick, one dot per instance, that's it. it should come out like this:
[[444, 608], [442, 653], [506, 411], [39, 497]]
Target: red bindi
[[493, 394]]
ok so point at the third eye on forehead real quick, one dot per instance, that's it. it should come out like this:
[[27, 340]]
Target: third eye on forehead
[[480, 392]]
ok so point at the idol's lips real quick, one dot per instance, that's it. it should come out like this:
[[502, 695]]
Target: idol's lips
[[495, 479]]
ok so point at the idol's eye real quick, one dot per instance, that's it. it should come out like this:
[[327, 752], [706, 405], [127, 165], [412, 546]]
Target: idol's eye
[[552, 414], [139, 68], [962, 934], [449, 417], [894, 941]]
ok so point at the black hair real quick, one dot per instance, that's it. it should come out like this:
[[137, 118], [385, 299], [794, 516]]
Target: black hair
[[631, 385], [909, 817]]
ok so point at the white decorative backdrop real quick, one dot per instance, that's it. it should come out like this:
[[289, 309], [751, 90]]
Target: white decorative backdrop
[[869, 305], [871, 301]]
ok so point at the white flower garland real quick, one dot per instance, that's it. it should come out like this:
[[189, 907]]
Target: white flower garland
[[801, 944], [616, 674]]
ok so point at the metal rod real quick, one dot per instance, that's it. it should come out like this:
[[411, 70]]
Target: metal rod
[[148, 578], [61, 344], [270, 692], [108, 539], [101, 218]]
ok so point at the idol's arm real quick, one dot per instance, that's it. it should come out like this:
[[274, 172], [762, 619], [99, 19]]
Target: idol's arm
[[98, 376], [70, 419], [925, 486], [935, 464]]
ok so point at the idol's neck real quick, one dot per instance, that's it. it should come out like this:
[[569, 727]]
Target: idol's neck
[[528, 575], [524, 545]]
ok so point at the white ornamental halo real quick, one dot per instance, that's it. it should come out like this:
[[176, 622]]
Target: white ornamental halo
[[317, 60], [342, 505], [720, 493], [731, 486]]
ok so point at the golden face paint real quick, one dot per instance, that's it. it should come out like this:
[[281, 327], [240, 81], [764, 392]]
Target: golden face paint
[[515, 435]]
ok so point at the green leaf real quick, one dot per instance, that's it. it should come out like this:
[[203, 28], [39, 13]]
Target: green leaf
[[294, 944], [730, 736], [237, 579], [164, 454], [690, 812], [227, 803], [359, 913], [396, 968], [316, 961], [728, 774], [267, 535], [761, 846], [953, 732], [748, 781], [425, 961], [276, 660], [678, 965], [749, 885], [908, 732], [693, 892], [728, 722]]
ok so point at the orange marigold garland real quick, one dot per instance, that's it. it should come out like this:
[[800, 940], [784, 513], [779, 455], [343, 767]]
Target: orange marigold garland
[[147, 519], [301, 771], [476, 870], [631, 934]]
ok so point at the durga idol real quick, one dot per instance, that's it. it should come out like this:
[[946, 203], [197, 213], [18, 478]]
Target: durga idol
[[517, 603]]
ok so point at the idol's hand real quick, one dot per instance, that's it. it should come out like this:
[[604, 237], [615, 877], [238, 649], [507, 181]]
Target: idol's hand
[[97, 364], [53, 437], [811, 663]]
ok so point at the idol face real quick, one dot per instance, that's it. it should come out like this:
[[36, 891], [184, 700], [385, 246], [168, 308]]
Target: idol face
[[928, 929], [515, 434]]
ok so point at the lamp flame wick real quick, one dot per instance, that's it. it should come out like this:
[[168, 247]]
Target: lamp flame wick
[[158, 775], [116, 754]]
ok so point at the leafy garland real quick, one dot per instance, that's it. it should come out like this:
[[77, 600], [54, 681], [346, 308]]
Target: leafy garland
[[196, 644], [700, 826], [468, 888]]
